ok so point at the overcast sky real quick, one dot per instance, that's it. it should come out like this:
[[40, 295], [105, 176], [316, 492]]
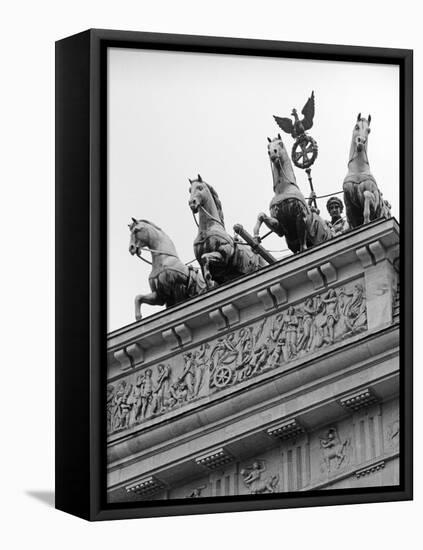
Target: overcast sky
[[172, 115]]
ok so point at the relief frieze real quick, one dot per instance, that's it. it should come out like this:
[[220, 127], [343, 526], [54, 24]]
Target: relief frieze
[[334, 450], [256, 481], [276, 340]]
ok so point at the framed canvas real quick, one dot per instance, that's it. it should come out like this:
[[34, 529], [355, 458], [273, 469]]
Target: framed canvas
[[234, 294]]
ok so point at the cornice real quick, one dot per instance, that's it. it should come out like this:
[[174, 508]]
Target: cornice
[[316, 268]]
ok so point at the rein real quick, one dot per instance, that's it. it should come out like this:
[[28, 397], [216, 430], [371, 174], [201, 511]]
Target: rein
[[210, 216], [356, 156], [160, 252], [207, 214], [153, 250], [195, 219], [283, 172]]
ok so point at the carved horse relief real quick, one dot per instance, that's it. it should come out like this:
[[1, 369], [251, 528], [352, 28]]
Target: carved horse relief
[[220, 256], [333, 449], [362, 197], [170, 280], [290, 215], [256, 482]]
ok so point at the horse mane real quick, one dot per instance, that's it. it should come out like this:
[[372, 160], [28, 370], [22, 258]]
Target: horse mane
[[288, 162], [217, 202], [152, 224]]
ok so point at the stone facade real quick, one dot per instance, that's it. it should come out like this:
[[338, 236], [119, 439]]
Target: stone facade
[[283, 380]]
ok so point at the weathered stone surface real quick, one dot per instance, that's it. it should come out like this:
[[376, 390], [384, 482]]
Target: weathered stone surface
[[299, 331], [195, 390]]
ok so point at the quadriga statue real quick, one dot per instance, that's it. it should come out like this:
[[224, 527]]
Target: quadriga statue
[[290, 215], [171, 281], [362, 197], [220, 256]]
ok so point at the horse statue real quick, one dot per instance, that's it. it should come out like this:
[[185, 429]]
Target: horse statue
[[362, 197], [171, 281], [221, 257], [290, 215]]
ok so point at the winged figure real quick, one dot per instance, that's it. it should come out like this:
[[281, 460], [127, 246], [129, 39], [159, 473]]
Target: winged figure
[[298, 127]]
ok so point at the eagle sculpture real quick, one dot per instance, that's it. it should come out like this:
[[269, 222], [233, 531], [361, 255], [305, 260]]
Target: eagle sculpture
[[298, 127]]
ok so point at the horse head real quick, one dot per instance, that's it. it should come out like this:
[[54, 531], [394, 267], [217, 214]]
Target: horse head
[[361, 132], [276, 150], [141, 235], [204, 197], [280, 161]]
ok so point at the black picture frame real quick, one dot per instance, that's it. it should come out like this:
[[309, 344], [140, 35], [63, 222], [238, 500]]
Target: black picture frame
[[81, 259]]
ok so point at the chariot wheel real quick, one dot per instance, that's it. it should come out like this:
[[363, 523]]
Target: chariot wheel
[[304, 151], [222, 377]]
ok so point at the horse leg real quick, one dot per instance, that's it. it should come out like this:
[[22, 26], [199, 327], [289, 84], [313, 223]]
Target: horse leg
[[353, 217], [341, 456], [271, 223], [206, 260], [151, 299], [369, 204], [300, 225]]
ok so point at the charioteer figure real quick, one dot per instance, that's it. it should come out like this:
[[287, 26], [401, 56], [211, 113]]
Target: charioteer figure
[[338, 224]]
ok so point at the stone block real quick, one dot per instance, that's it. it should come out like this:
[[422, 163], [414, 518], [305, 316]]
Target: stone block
[[379, 282]]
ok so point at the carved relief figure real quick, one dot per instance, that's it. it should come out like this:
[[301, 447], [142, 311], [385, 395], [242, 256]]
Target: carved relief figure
[[333, 449], [255, 481], [196, 493], [162, 388], [188, 374], [116, 415], [146, 393], [195, 367], [355, 310], [201, 363], [245, 347], [260, 355], [136, 400], [123, 405], [309, 311], [393, 434], [110, 406], [277, 355], [237, 357], [154, 391], [174, 397], [290, 331], [332, 315], [225, 351], [319, 321]]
